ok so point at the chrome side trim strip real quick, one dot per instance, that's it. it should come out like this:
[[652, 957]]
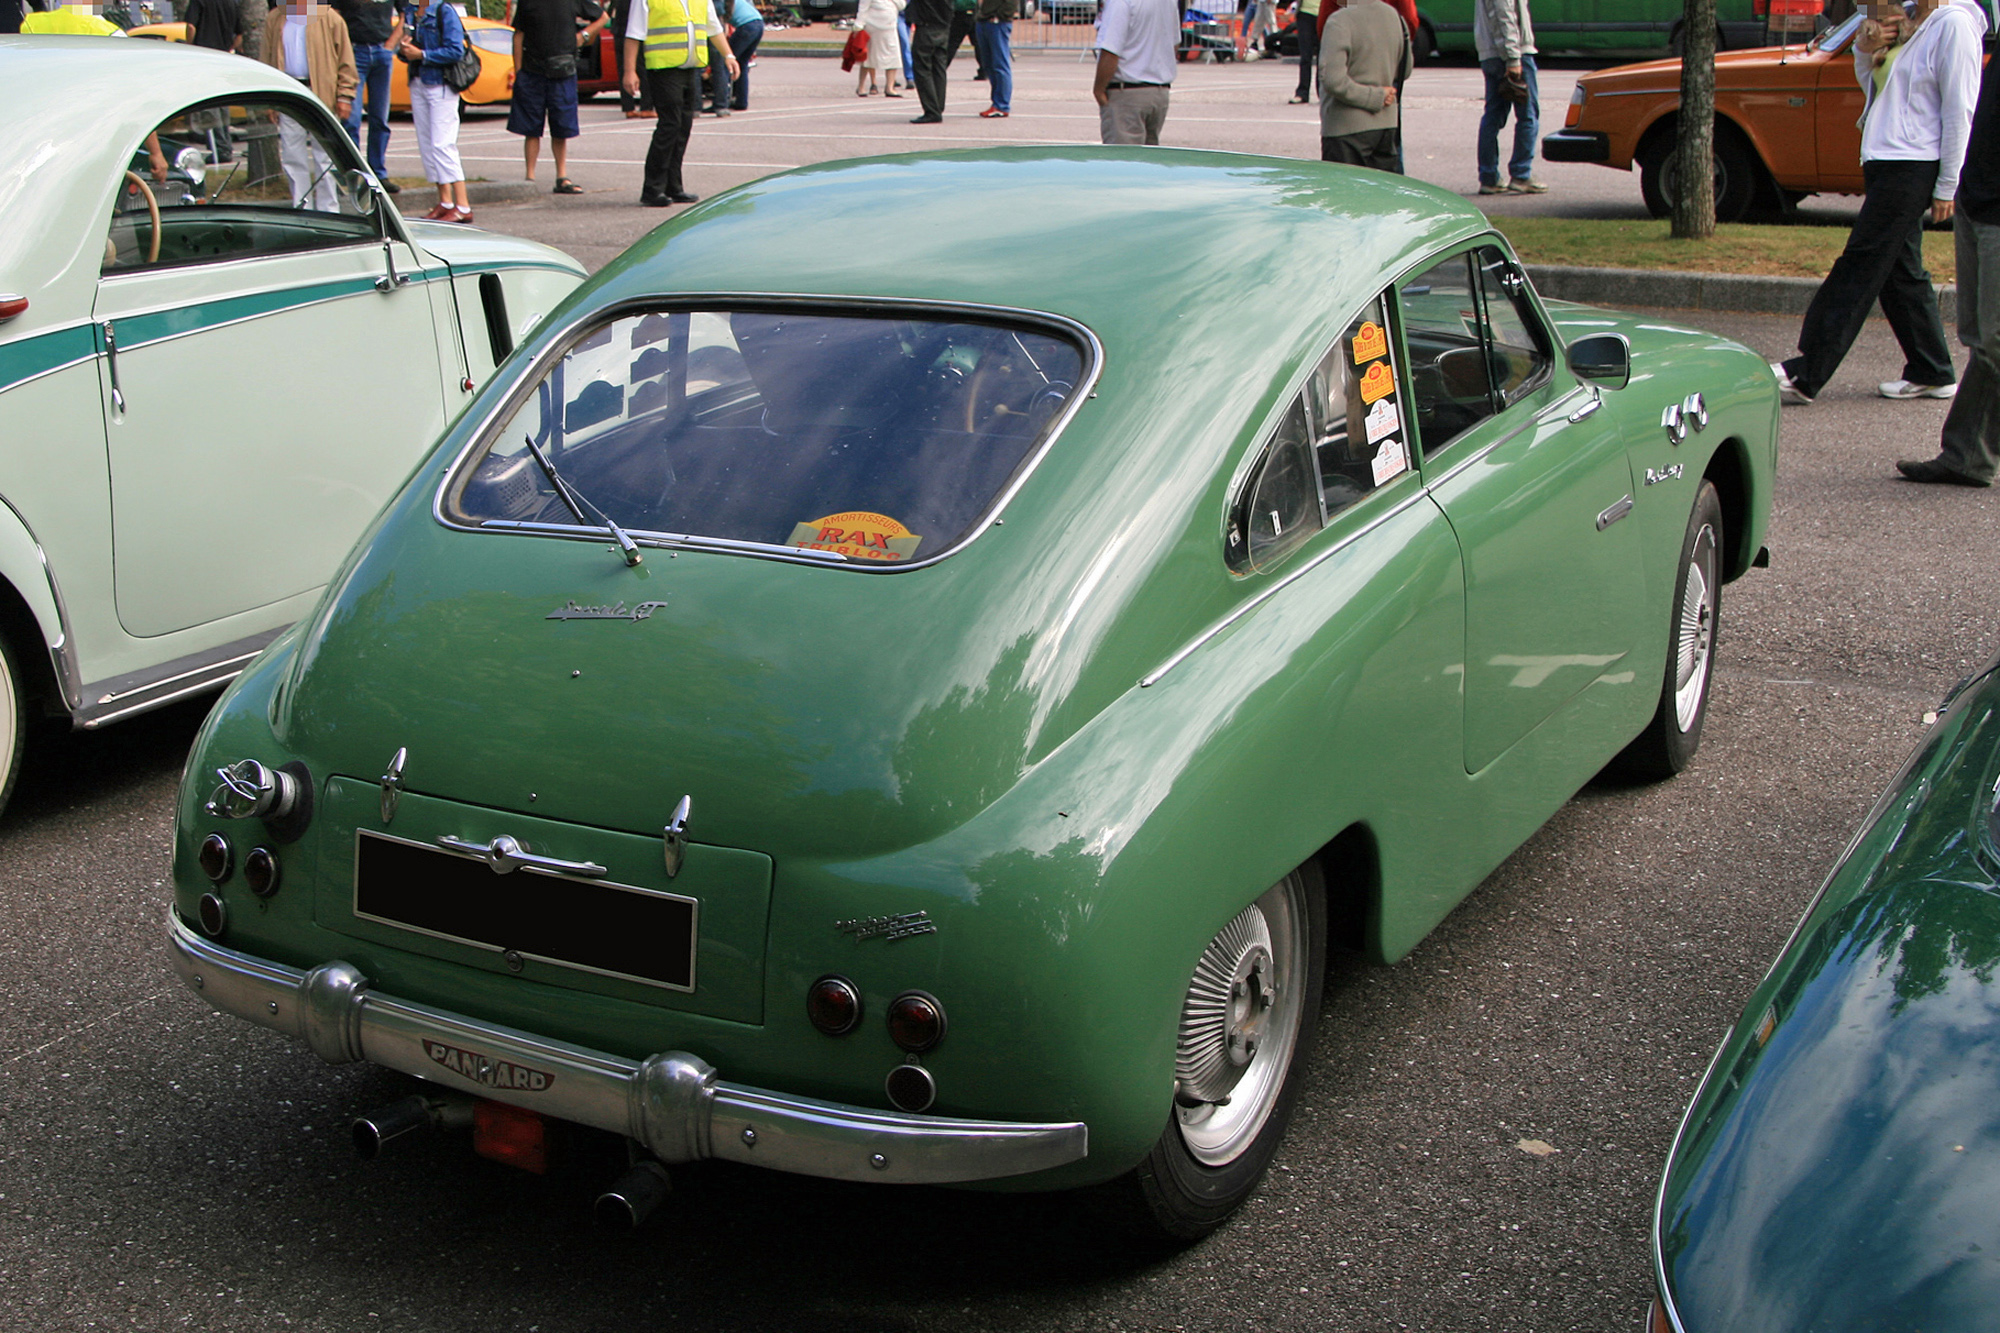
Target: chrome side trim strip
[[673, 1103], [1187, 649], [122, 696]]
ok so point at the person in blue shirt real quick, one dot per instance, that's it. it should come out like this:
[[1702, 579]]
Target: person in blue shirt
[[746, 30]]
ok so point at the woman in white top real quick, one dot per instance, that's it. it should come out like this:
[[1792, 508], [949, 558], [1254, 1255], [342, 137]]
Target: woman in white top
[[885, 52]]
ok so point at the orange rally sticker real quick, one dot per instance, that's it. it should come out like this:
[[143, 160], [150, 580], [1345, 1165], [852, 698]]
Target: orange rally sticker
[[1370, 341], [858, 535], [1379, 382]]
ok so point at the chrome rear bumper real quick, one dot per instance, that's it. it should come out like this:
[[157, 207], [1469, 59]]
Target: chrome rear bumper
[[673, 1103]]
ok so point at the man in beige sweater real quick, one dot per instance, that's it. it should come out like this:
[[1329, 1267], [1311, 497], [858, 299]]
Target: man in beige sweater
[[1364, 53], [310, 43]]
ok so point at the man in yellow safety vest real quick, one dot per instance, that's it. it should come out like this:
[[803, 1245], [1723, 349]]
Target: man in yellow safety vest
[[675, 38]]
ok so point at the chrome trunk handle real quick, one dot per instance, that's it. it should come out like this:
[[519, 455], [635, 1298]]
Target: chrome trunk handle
[[506, 854]]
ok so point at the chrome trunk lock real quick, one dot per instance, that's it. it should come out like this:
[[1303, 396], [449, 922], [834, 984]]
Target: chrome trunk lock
[[392, 783], [674, 850]]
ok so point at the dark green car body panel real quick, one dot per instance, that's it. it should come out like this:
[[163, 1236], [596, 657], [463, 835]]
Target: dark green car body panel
[[972, 738], [1839, 1166]]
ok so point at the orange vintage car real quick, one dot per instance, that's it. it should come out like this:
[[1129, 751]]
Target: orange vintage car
[[494, 42], [1785, 125]]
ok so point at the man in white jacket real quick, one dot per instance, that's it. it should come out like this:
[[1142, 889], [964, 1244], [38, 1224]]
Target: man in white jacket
[[1920, 78]]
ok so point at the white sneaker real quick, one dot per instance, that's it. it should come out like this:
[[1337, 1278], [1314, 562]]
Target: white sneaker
[[1905, 389], [1789, 393]]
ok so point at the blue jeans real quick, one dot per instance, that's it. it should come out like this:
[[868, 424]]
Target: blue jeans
[[373, 64], [1527, 121], [735, 93], [903, 40], [994, 43]]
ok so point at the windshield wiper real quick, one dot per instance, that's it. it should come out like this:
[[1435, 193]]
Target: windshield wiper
[[576, 504]]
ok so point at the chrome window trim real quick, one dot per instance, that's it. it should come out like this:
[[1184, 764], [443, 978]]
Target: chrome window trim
[[1250, 466], [694, 916], [865, 307]]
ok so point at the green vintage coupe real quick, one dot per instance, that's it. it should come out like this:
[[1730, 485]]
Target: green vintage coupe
[[1838, 1165], [922, 713], [220, 353]]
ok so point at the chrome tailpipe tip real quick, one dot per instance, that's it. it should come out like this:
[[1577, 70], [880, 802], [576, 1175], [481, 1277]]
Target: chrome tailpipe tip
[[376, 1129], [633, 1197]]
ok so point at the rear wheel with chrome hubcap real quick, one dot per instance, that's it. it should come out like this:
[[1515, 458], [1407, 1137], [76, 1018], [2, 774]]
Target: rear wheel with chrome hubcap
[[1669, 742], [1246, 1026]]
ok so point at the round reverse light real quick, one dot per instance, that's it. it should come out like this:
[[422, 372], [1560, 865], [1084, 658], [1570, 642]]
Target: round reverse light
[[910, 1088], [916, 1021], [834, 1006], [217, 857], [260, 871], [211, 914]]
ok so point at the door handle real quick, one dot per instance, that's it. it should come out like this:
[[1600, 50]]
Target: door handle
[[111, 363]]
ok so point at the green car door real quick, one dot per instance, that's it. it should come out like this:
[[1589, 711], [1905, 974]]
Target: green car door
[[247, 357], [1535, 481]]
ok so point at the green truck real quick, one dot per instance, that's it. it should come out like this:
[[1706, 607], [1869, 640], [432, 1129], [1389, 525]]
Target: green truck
[[1646, 27]]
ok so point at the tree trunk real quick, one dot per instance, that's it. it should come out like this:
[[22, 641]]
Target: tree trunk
[[1694, 147]]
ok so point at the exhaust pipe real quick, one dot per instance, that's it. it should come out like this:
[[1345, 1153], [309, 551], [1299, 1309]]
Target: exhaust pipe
[[376, 1129], [633, 1197]]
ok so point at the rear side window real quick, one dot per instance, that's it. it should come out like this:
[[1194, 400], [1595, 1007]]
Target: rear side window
[[870, 440], [1342, 436]]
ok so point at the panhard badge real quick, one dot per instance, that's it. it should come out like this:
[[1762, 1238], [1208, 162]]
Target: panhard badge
[[487, 1071]]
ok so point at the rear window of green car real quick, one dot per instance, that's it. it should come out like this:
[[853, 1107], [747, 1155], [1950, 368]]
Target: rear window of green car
[[871, 440]]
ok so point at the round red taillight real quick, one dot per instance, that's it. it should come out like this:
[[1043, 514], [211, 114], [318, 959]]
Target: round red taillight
[[217, 857], [260, 871], [916, 1021], [834, 1006]]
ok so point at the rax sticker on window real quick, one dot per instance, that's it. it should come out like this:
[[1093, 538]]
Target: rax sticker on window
[[858, 535], [1371, 340]]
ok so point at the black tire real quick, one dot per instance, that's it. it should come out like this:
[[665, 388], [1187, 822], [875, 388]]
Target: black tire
[[1212, 1154], [1669, 742], [13, 723], [1739, 176], [1426, 44]]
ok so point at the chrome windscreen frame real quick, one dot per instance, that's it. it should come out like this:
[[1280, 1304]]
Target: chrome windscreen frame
[[524, 384]]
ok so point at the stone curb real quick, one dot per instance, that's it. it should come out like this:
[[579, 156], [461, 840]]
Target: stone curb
[[1693, 291], [505, 192]]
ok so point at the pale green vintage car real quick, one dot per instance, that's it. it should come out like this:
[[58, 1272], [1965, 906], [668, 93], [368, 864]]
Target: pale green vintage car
[[922, 712], [220, 353]]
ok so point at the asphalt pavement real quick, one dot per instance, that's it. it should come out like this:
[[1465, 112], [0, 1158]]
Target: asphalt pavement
[[165, 1167]]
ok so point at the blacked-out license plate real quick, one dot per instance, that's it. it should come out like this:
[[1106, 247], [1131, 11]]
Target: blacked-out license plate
[[613, 929]]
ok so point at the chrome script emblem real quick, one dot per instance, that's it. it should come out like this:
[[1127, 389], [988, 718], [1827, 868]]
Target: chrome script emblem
[[1654, 476], [487, 1071], [615, 611], [898, 927]]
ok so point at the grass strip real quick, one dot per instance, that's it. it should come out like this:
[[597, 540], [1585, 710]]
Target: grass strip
[[1781, 252]]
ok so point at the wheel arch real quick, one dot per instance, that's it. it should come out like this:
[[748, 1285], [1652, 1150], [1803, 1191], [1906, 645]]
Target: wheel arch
[[31, 617], [1729, 471], [1667, 124], [1351, 865]]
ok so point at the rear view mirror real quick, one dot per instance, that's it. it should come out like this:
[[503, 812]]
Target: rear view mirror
[[1602, 358]]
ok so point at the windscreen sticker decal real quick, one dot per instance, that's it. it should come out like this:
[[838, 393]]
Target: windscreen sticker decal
[[1370, 341], [1379, 382], [1383, 419], [858, 535], [1390, 461]]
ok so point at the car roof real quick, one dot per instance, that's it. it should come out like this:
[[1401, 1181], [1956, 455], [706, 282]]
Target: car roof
[[77, 108], [1141, 245]]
